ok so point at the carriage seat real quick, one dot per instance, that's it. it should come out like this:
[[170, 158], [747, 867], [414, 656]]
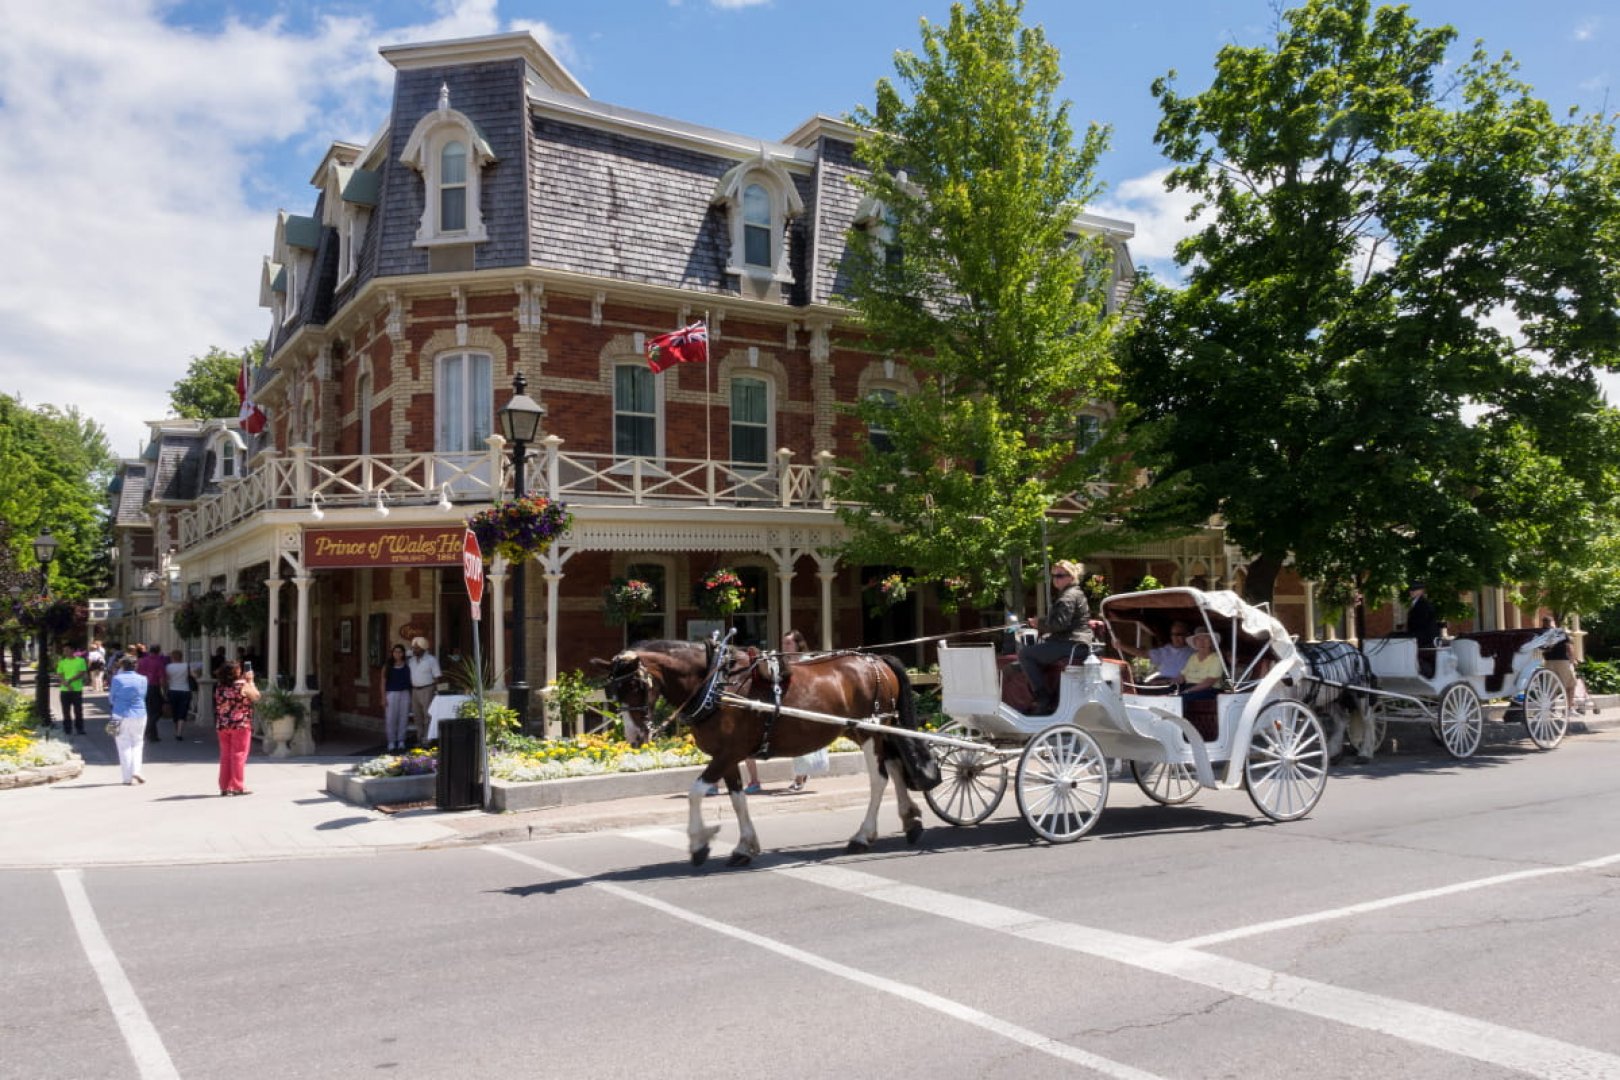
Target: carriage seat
[[1497, 648], [1015, 692], [1204, 714]]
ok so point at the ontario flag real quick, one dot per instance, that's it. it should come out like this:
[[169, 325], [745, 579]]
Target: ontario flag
[[250, 416], [688, 345]]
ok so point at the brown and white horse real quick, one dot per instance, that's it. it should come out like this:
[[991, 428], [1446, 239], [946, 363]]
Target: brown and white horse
[[852, 686]]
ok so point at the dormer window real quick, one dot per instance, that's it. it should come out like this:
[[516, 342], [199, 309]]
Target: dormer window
[[759, 198], [882, 226], [450, 153]]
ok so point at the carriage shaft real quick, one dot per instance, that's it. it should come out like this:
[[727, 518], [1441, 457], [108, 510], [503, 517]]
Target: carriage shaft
[[872, 726]]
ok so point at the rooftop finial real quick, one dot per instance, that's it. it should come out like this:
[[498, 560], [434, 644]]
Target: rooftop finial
[[444, 97]]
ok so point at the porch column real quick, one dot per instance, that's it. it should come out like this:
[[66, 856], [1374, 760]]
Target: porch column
[[1577, 639], [553, 590], [784, 584], [272, 645], [1310, 611], [301, 667], [497, 621], [1499, 604], [826, 577]]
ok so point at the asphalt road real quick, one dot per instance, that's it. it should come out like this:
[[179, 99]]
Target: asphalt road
[[1431, 919]]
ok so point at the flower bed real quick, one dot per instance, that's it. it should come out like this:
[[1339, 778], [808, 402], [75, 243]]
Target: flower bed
[[19, 752], [589, 755], [411, 763]]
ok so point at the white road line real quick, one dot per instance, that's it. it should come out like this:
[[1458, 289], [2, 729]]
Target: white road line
[[1392, 901], [1451, 1032], [145, 1045], [916, 995]]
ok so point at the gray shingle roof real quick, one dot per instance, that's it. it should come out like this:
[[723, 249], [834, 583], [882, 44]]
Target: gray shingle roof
[[130, 507], [179, 472]]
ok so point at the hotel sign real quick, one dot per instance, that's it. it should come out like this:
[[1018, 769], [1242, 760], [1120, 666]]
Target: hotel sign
[[406, 546]]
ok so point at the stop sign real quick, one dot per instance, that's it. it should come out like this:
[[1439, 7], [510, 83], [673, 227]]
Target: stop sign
[[472, 570]]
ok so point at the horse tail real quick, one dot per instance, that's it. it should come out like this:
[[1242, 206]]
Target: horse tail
[[918, 769]]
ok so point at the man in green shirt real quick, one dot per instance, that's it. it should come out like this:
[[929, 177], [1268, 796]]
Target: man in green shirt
[[71, 671]]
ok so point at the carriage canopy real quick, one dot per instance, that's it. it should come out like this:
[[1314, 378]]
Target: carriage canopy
[[1244, 628]]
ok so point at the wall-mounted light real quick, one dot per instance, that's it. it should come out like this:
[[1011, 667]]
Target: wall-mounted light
[[444, 498], [315, 510], [382, 508]]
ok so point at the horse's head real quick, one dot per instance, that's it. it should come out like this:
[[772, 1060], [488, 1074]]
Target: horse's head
[[630, 684]]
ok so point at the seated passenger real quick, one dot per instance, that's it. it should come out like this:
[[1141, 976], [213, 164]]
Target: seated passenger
[[1167, 658], [1067, 627], [1202, 674]]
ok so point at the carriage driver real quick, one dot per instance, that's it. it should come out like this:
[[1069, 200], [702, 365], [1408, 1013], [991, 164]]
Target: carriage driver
[[1169, 658], [1067, 625]]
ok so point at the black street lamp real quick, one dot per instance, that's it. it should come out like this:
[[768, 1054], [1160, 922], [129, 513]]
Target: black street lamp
[[44, 551], [520, 423]]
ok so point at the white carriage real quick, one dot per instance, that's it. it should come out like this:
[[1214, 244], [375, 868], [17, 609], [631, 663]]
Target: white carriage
[[1449, 687], [1253, 734]]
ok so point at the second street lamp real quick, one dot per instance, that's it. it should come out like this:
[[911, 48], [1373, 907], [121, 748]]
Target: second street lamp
[[44, 551], [520, 423]]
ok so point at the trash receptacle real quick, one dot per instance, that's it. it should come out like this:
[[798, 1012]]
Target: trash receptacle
[[459, 785]]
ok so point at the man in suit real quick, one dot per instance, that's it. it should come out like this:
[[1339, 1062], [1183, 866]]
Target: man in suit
[[1421, 621]]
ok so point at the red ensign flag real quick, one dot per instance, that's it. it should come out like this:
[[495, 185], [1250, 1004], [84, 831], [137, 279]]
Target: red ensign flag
[[688, 345]]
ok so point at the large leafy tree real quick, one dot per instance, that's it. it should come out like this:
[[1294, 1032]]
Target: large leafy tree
[[54, 468], [208, 389], [1382, 361], [978, 282]]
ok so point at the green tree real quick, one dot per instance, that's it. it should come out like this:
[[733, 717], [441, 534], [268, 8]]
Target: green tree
[[1382, 362], [208, 389], [54, 469], [979, 281]]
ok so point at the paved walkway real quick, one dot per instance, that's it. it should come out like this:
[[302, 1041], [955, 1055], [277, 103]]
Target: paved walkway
[[178, 816]]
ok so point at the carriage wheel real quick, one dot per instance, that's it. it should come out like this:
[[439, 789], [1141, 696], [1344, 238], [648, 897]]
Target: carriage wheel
[[1286, 769], [1062, 783], [1461, 722], [1546, 709], [1168, 784], [973, 781], [1377, 714]]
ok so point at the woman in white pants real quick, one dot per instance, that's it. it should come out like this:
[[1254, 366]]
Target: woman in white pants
[[127, 700]]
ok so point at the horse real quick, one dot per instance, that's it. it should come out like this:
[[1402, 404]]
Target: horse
[[1344, 668], [693, 676]]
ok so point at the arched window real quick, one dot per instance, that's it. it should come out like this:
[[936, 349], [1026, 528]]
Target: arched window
[[877, 430], [363, 403], [453, 187], [654, 622], [756, 213], [635, 411], [750, 421]]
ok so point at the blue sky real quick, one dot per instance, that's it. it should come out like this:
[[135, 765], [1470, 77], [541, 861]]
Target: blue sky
[[155, 141]]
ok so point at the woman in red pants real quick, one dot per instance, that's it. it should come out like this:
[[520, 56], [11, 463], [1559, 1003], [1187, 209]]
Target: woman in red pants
[[233, 720]]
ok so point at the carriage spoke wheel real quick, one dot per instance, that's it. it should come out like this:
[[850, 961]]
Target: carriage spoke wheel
[[1286, 769], [1377, 714], [1546, 709], [972, 781], [1461, 722], [1062, 783], [1169, 784]]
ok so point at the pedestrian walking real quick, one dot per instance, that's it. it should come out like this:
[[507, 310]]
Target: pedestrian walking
[[127, 700], [177, 676], [1556, 657], [96, 657], [397, 689], [71, 673], [425, 675], [151, 665], [233, 721]]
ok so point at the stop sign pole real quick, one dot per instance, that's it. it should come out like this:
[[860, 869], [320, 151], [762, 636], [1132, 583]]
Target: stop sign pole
[[472, 572]]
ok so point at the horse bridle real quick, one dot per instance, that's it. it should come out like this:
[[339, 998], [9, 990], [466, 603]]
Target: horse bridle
[[640, 676]]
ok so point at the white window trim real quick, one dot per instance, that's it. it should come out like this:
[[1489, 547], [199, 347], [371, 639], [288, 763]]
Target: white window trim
[[229, 439], [658, 411], [785, 205], [422, 150]]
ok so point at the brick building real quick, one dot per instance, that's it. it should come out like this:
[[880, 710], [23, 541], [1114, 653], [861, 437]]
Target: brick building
[[502, 221]]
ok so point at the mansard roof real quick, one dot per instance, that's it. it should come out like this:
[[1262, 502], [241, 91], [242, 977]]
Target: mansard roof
[[129, 508]]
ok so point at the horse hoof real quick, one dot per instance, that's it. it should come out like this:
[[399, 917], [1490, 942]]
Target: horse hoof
[[700, 856], [738, 858], [914, 834], [857, 847]]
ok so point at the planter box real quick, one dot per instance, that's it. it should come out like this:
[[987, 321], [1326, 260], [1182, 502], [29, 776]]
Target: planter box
[[536, 795], [43, 774], [379, 790]]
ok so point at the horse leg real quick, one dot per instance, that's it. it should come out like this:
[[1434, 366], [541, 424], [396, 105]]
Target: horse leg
[[1362, 731], [1336, 730], [867, 833], [910, 813], [698, 834], [747, 840]]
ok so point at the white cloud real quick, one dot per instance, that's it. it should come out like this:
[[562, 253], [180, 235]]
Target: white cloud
[[1586, 29], [134, 159], [1160, 216], [735, 5]]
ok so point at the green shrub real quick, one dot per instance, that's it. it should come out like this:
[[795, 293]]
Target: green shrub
[[1602, 676], [500, 721], [16, 712]]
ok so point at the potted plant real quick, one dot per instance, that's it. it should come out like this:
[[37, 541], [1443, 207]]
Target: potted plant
[[520, 528], [280, 713], [885, 592], [625, 600], [720, 593]]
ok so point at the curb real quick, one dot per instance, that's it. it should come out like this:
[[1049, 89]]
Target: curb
[[45, 774]]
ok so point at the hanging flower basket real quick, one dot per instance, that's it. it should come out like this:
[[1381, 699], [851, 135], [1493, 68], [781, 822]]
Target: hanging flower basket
[[721, 593], [1096, 589], [953, 593], [211, 610], [885, 592], [188, 619], [520, 528], [246, 613], [625, 600], [55, 617]]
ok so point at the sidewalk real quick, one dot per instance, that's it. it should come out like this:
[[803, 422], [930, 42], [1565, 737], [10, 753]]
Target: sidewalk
[[178, 816]]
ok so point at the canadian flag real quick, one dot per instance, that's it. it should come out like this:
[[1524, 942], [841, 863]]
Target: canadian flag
[[250, 416]]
